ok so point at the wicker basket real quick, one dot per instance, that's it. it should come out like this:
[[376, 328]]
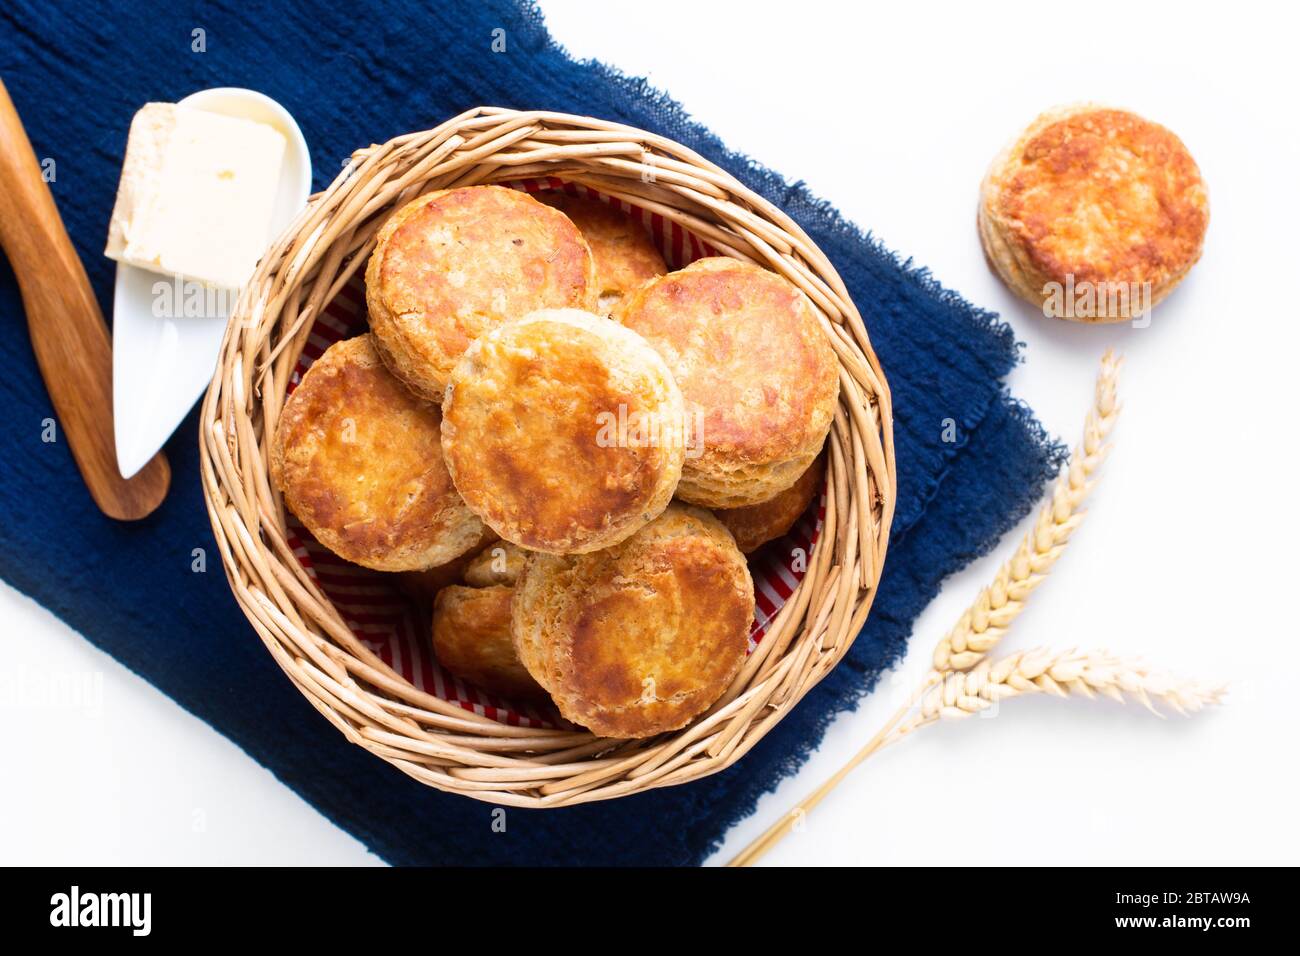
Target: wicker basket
[[441, 742]]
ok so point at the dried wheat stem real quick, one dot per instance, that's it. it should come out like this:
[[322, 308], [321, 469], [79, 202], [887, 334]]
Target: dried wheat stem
[[1042, 671], [785, 824], [985, 622], [1063, 673]]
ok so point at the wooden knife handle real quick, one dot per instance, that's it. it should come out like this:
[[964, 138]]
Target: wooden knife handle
[[68, 332]]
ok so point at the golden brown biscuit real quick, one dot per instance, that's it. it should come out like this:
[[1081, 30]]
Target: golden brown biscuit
[[454, 263], [759, 377], [499, 564], [563, 431], [358, 459], [1094, 199], [755, 525], [471, 638], [642, 637], [625, 255], [424, 585]]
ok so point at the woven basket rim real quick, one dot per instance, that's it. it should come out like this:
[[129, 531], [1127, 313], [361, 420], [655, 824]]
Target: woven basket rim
[[438, 742]]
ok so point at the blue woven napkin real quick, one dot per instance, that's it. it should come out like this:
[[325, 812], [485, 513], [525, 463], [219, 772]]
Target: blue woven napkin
[[352, 77]]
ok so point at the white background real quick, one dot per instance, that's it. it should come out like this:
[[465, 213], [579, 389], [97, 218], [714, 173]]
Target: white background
[[1188, 556]]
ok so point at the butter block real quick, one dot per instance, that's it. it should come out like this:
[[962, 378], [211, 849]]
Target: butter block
[[197, 194]]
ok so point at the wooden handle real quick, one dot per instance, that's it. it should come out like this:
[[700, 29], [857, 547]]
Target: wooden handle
[[68, 332]]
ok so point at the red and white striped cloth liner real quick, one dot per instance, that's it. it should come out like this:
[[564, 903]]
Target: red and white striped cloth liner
[[395, 626]]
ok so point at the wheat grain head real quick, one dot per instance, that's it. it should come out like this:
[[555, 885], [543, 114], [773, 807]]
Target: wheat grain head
[[985, 622], [1064, 674]]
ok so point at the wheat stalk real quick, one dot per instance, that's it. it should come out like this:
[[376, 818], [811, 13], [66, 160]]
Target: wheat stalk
[[1062, 673], [986, 621], [962, 694]]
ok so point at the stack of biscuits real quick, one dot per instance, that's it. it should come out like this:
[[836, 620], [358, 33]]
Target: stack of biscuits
[[566, 448]]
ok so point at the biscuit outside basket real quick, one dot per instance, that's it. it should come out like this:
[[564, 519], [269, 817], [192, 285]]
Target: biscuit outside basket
[[441, 742]]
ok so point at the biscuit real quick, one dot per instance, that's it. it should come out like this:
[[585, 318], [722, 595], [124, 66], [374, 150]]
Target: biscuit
[[454, 263], [755, 525], [500, 564], [358, 459], [624, 253], [471, 638], [758, 374], [643, 637], [563, 431], [1089, 198]]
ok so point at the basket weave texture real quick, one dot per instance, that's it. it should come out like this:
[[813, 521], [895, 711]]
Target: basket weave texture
[[437, 741]]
